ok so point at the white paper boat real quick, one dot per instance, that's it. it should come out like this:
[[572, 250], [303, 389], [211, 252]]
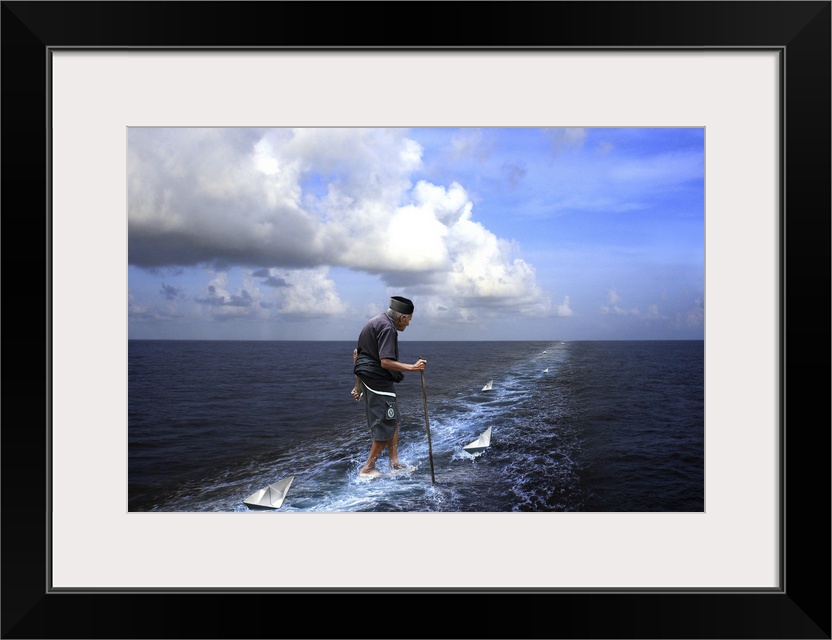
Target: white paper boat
[[488, 385], [272, 496], [481, 443], [546, 370]]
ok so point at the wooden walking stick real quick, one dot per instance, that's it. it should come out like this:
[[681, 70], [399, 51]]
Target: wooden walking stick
[[427, 426]]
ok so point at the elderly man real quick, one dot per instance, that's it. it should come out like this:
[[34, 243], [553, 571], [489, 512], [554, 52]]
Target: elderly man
[[377, 369]]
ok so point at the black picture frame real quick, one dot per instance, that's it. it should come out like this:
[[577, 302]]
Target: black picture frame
[[800, 31]]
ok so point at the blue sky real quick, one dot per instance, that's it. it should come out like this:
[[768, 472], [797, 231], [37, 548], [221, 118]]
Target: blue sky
[[494, 233]]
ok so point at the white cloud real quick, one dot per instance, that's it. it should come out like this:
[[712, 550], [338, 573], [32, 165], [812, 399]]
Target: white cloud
[[219, 302], [310, 294], [299, 201]]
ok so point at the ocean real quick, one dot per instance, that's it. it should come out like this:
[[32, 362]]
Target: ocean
[[589, 426]]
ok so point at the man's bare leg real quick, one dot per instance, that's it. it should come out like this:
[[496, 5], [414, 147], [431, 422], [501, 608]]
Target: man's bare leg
[[369, 469], [393, 450]]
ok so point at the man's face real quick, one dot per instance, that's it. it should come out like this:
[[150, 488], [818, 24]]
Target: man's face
[[401, 325]]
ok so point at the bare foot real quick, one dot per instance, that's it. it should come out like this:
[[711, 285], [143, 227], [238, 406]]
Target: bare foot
[[369, 473]]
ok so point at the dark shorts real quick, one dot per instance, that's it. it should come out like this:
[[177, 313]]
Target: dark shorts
[[382, 411]]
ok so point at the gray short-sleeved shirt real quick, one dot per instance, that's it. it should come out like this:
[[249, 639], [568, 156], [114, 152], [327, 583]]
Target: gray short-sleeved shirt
[[379, 338]]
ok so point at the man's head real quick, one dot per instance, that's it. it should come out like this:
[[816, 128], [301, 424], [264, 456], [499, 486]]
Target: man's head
[[401, 311]]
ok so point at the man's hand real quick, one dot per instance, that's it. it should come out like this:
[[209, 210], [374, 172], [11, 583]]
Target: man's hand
[[356, 392]]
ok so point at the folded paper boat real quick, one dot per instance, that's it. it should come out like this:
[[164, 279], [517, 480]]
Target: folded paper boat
[[481, 443], [488, 385], [272, 496]]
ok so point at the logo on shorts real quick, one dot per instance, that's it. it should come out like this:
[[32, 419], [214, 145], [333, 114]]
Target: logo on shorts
[[390, 412]]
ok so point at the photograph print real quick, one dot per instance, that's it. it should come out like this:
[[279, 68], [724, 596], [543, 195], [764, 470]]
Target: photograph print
[[416, 320]]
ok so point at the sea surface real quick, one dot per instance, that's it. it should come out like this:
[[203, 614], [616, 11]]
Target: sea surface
[[591, 426]]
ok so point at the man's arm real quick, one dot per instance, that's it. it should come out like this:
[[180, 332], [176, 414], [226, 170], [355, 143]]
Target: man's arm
[[395, 365]]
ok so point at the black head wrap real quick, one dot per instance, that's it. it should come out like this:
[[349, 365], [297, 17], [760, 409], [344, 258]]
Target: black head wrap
[[402, 305]]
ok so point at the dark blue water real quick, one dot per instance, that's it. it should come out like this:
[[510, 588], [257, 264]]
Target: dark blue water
[[576, 426]]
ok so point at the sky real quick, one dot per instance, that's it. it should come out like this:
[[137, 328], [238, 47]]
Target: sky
[[493, 233]]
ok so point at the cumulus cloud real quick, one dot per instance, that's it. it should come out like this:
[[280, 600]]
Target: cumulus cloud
[[217, 299], [310, 293], [564, 309], [220, 302], [614, 307], [289, 204]]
